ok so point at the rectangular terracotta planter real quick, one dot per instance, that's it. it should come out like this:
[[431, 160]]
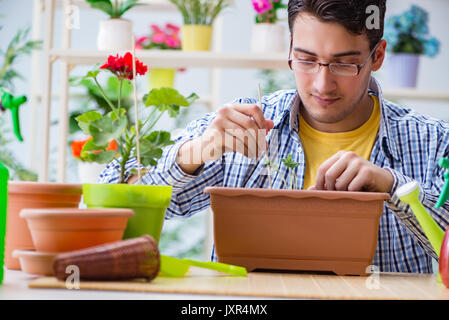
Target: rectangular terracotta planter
[[296, 230]]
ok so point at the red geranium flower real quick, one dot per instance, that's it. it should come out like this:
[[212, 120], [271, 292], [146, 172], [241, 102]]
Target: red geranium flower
[[122, 67]]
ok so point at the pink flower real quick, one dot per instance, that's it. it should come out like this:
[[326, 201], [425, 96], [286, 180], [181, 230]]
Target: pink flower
[[172, 42], [156, 28], [262, 6], [172, 27], [158, 38]]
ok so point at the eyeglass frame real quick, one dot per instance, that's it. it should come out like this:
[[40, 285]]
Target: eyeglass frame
[[359, 66]]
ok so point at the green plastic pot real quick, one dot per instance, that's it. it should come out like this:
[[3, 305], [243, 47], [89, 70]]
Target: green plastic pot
[[149, 204]]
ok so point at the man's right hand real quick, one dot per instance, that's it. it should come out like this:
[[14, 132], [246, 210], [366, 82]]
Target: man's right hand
[[236, 128]]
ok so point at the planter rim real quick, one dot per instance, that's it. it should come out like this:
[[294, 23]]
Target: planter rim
[[298, 194], [44, 187], [32, 254], [75, 213], [126, 186]]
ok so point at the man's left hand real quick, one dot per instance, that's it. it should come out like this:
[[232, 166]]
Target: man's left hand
[[347, 171]]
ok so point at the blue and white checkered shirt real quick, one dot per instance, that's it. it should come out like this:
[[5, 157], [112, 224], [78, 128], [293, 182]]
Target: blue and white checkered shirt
[[408, 145]]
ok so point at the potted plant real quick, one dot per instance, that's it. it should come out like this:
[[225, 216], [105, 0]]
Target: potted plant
[[267, 35], [88, 170], [116, 33], [161, 38], [198, 17], [408, 38], [24, 194], [139, 141], [290, 229]]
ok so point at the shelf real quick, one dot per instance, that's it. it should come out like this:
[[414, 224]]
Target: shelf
[[180, 59], [416, 94], [159, 5]]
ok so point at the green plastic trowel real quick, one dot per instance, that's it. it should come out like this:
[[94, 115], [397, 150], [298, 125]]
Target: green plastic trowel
[[175, 267]]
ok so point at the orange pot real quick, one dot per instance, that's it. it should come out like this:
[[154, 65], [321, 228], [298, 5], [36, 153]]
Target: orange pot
[[33, 195], [68, 229]]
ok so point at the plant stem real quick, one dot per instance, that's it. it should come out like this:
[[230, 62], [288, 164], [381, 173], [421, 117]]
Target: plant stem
[[120, 94], [104, 95], [125, 158]]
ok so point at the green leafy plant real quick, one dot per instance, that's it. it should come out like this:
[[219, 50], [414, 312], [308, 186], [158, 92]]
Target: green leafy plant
[[115, 125], [291, 166], [201, 12], [93, 99], [114, 9], [18, 47]]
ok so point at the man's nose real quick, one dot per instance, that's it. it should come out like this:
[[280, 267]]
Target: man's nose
[[325, 80]]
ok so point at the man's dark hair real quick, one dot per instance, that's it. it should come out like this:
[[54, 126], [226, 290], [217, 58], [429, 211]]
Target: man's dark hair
[[351, 14]]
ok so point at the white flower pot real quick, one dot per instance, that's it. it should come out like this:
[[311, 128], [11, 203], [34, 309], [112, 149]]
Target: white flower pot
[[402, 70], [268, 37], [115, 35], [88, 172]]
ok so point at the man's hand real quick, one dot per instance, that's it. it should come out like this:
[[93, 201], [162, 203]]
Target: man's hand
[[239, 127], [347, 171]]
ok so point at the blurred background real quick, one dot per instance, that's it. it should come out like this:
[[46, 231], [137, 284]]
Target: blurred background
[[192, 237]]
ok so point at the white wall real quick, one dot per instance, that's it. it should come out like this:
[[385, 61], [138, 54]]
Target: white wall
[[237, 32]]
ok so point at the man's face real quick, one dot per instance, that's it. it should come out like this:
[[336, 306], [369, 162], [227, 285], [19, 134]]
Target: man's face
[[327, 97]]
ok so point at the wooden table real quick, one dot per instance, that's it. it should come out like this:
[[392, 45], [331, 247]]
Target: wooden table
[[273, 285]]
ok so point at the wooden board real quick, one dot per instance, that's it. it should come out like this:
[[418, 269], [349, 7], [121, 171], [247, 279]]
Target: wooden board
[[279, 285]]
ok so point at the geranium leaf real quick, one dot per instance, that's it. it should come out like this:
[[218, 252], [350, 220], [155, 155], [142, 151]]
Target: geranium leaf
[[106, 129], [86, 118], [94, 153]]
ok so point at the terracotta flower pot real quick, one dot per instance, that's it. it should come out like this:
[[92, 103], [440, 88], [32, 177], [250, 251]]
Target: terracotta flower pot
[[296, 230], [149, 203], [36, 263], [33, 195], [66, 229]]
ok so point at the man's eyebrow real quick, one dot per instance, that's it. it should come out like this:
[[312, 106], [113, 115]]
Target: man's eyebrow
[[337, 55]]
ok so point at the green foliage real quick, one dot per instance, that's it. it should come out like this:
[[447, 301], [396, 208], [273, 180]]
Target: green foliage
[[94, 98], [114, 9], [115, 126], [201, 12], [17, 47]]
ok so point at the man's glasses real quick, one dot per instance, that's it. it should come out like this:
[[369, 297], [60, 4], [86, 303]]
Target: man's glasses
[[341, 69]]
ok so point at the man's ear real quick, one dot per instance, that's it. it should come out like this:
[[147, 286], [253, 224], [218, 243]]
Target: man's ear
[[379, 55]]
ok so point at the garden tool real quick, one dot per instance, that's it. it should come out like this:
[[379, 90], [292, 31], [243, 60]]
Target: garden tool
[[444, 163], [174, 267], [409, 193], [4, 176], [12, 103]]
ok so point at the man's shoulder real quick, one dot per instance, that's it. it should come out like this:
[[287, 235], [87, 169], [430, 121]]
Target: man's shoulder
[[401, 116]]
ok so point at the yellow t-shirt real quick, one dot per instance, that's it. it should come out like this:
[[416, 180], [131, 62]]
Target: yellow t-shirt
[[320, 146]]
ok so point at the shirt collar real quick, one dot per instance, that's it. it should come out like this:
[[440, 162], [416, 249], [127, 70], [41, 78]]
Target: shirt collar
[[388, 144]]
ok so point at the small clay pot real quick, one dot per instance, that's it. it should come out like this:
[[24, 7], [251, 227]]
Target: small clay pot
[[65, 229], [121, 260], [295, 229], [36, 263], [22, 195]]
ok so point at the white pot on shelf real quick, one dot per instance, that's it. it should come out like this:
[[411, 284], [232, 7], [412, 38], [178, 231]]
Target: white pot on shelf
[[402, 70], [268, 37], [88, 172], [115, 35]]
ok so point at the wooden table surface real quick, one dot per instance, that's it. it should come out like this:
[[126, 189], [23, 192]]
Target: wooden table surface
[[279, 285]]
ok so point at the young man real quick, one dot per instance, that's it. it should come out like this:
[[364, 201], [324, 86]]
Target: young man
[[336, 125]]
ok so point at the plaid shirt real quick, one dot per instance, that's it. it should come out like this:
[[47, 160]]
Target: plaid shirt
[[408, 145]]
